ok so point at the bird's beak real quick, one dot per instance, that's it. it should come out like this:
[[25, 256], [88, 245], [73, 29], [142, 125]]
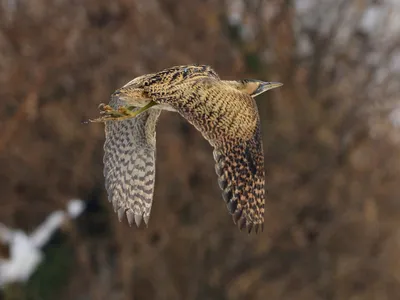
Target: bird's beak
[[265, 86]]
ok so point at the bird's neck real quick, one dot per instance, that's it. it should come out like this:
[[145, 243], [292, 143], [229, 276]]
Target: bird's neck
[[248, 87]]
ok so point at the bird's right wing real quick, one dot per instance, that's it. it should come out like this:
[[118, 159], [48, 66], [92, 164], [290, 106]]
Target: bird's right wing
[[241, 177], [229, 120], [129, 165]]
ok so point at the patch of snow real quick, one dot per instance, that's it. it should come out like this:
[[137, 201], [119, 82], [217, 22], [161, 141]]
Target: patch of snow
[[75, 208], [42, 234], [24, 259], [25, 250]]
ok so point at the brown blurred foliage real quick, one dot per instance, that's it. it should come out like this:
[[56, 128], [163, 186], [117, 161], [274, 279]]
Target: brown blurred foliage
[[332, 221]]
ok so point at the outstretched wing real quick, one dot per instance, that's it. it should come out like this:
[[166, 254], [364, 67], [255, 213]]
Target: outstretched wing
[[241, 176], [129, 165], [229, 120]]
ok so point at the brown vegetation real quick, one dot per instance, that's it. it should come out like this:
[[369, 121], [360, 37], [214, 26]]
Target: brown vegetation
[[332, 221]]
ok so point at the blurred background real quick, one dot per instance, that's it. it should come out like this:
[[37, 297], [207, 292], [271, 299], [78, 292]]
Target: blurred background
[[332, 225]]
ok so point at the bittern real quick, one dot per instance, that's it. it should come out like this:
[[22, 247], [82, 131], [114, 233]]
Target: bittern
[[223, 111]]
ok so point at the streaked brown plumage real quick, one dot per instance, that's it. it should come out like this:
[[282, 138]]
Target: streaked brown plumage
[[223, 111]]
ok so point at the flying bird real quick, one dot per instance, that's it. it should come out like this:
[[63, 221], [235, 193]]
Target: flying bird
[[225, 113]]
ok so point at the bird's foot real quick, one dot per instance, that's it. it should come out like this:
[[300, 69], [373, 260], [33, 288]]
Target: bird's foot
[[122, 113], [107, 114]]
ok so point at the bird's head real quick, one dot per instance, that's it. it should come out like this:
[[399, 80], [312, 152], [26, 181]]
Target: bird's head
[[255, 87]]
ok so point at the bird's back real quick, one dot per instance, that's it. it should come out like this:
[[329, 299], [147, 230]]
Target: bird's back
[[215, 108], [228, 118], [170, 77]]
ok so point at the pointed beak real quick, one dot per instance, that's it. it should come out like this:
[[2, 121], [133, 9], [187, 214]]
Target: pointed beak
[[265, 86], [272, 85]]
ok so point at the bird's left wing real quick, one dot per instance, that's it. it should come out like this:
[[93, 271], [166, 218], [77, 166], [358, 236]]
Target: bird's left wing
[[129, 165], [229, 120]]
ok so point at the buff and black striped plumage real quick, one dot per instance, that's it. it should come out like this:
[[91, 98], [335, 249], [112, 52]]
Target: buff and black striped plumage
[[223, 111]]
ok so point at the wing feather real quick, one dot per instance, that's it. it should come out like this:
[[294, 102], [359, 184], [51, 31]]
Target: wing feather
[[129, 165], [241, 176], [229, 120]]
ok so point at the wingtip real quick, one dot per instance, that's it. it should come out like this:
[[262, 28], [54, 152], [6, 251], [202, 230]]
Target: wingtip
[[237, 215], [130, 216], [249, 228], [121, 213], [138, 220], [133, 218], [259, 228], [115, 206], [242, 223], [146, 220], [232, 206]]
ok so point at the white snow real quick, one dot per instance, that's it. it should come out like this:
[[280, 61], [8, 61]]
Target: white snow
[[25, 252], [42, 234], [75, 208], [25, 257]]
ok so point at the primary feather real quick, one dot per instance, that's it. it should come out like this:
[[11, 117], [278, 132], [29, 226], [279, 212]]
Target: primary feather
[[129, 164]]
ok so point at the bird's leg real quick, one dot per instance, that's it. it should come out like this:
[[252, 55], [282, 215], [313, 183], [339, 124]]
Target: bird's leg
[[110, 114], [128, 110], [107, 112]]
